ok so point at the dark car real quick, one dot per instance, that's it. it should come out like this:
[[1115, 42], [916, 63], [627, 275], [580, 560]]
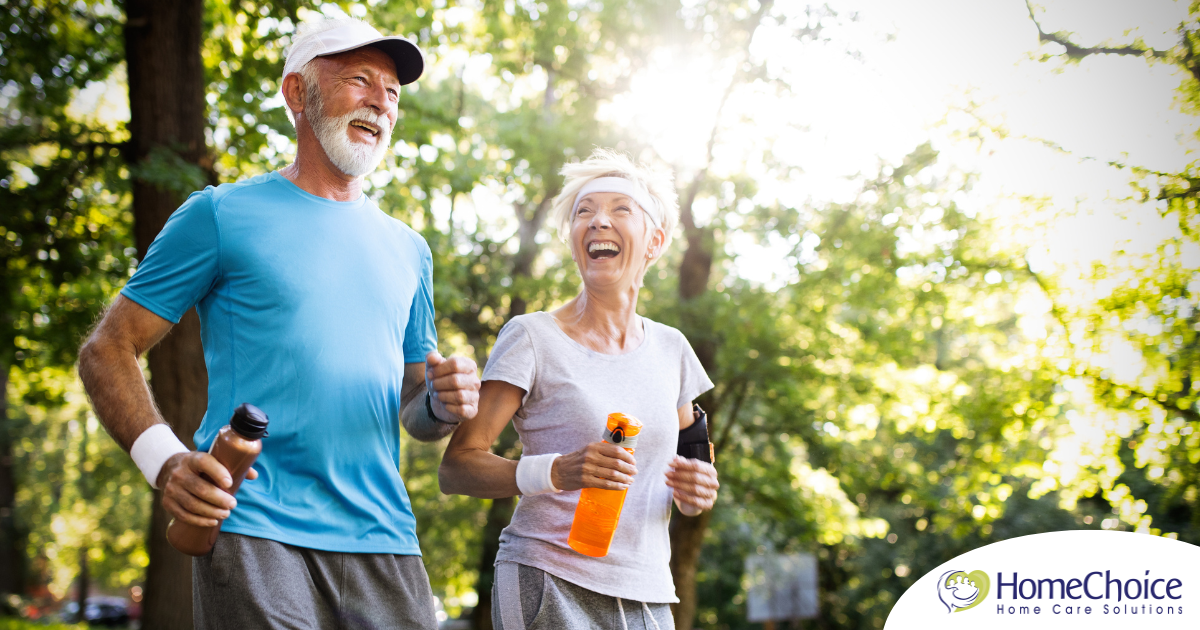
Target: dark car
[[98, 611]]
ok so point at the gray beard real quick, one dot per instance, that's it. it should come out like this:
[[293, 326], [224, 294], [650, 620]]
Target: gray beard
[[352, 158]]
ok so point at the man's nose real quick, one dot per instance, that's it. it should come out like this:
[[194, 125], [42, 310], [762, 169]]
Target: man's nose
[[600, 220], [377, 98]]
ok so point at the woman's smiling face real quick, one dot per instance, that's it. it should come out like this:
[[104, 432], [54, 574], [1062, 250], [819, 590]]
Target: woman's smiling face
[[610, 238]]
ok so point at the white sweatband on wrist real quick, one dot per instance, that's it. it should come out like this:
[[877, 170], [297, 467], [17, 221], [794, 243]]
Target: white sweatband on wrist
[[153, 448], [533, 474]]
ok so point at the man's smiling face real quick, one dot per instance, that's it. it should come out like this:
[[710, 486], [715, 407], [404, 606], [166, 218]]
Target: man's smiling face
[[352, 107]]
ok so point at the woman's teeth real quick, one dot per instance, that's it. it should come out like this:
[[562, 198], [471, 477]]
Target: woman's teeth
[[603, 249]]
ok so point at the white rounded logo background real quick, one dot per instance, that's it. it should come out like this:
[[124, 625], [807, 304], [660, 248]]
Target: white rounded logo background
[[1062, 556]]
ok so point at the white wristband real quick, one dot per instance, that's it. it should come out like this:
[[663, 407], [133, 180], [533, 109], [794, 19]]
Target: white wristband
[[533, 474], [153, 448]]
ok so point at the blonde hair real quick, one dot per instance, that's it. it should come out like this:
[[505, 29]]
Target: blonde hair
[[609, 163]]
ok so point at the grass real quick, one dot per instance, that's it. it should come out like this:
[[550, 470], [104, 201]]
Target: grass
[[12, 623]]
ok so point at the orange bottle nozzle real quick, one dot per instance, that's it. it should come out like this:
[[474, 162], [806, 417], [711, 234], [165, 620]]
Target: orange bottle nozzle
[[620, 427]]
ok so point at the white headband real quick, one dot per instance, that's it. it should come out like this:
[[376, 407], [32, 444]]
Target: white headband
[[620, 185]]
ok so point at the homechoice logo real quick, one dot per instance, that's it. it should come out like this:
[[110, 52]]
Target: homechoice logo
[[961, 591], [1072, 580], [1145, 595]]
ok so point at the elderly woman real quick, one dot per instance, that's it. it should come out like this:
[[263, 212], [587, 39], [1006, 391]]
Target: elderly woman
[[557, 376]]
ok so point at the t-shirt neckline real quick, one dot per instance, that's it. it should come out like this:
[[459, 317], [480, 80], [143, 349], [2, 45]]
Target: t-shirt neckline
[[290, 185], [549, 320]]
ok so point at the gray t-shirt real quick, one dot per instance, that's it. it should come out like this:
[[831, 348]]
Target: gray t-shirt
[[569, 392]]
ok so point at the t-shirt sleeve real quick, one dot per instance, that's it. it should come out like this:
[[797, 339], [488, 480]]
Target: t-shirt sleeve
[[183, 263], [693, 380], [420, 337], [513, 359]]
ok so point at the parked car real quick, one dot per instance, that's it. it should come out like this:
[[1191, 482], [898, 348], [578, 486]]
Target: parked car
[[98, 610]]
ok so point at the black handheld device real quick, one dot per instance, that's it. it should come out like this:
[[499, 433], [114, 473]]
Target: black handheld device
[[693, 441]]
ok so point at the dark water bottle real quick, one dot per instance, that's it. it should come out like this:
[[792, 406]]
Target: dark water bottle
[[236, 447]]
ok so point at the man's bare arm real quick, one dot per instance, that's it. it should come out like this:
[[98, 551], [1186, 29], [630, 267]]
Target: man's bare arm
[[112, 376]]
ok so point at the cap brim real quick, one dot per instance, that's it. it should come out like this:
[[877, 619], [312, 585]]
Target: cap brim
[[410, 62]]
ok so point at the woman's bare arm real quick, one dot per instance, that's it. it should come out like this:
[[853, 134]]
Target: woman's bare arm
[[469, 467]]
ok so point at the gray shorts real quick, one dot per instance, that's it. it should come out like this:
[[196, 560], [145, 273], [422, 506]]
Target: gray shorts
[[257, 583], [531, 599]]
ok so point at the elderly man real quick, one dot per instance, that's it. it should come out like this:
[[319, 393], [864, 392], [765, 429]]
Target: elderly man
[[316, 307]]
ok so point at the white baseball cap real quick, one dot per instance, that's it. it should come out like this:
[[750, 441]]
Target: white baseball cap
[[332, 36]]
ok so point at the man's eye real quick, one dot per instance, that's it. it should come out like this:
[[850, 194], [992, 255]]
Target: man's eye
[[624, 210], [584, 210]]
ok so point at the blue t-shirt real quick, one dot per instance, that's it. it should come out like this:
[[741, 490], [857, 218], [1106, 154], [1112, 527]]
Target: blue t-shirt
[[309, 309]]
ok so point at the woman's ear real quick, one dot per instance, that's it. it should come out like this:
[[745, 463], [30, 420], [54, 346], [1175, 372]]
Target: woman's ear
[[655, 246]]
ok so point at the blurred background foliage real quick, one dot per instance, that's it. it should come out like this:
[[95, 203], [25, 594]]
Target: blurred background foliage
[[912, 383]]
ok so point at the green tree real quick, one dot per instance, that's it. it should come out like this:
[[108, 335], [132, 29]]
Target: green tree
[[884, 400], [80, 497], [1145, 420], [887, 402], [456, 146], [62, 235]]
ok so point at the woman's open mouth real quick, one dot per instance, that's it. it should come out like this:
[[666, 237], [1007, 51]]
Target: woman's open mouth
[[602, 249]]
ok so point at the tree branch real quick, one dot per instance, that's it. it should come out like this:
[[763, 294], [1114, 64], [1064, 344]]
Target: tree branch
[[1075, 51], [743, 389], [686, 217], [1170, 405]]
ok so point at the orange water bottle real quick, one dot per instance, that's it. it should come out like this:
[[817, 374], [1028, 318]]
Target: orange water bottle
[[599, 509]]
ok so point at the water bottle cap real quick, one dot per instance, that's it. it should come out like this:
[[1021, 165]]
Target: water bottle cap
[[249, 421], [621, 437], [630, 425]]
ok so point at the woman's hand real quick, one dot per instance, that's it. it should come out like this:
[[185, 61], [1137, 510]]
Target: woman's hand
[[695, 484], [597, 465]]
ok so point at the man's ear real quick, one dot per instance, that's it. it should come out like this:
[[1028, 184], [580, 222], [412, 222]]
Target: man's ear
[[295, 92]]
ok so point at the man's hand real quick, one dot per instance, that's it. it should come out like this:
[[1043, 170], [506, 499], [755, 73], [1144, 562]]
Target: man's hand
[[453, 385], [695, 484], [192, 498]]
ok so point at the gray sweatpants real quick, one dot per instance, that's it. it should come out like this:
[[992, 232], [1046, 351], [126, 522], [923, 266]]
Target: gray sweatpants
[[525, 598], [251, 582]]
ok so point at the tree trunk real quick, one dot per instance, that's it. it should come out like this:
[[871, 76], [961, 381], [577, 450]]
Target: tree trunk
[[501, 510], [499, 514], [687, 532], [687, 535], [695, 271], [83, 582], [181, 391], [167, 110], [12, 556]]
